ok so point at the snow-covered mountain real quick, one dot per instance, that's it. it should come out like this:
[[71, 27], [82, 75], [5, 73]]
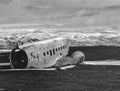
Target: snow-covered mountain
[[76, 37], [9, 37], [95, 39]]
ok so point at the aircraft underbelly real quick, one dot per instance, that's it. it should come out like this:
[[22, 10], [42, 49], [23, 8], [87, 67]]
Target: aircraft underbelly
[[43, 63]]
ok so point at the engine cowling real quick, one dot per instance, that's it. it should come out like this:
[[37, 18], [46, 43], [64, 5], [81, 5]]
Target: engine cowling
[[78, 56], [64, 61], [18, 59]]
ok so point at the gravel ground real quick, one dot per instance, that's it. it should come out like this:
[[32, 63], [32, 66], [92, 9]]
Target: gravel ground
[[82, 78]]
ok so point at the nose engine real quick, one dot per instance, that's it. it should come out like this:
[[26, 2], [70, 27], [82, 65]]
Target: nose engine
[[18, 59]]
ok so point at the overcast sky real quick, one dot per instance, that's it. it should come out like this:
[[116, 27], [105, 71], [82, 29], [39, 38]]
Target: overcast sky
[[60, 12]]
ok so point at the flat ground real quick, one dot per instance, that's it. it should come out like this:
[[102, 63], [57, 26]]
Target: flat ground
[[95, 76], [82, 78]]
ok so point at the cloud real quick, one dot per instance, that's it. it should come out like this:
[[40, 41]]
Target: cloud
[[113, 7], [71, 12], [99, 3], [5, 1]]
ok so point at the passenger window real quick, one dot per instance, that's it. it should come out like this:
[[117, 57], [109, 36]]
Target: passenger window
[[47, 53], [61, 47], [65, 46], [44, 54], [54, 51], [58, 48], [50, 52]]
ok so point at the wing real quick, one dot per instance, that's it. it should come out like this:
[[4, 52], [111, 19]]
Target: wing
[[4, 58]]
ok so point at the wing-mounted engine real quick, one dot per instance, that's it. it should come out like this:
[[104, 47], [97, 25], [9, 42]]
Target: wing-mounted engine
[[18, 59], [76, 58]]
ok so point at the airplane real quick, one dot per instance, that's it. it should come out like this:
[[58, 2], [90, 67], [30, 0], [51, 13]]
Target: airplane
[[49, 53]]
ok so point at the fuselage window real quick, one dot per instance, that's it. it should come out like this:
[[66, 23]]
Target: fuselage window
[[44, 54], [54, 51], [59, 48], [65, 46], [47, 53], [50, 52]]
